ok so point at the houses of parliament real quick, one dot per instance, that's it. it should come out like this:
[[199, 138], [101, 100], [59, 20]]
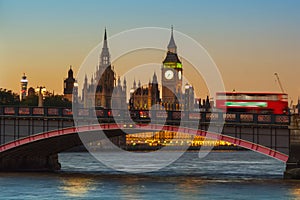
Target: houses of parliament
[[106, 90]]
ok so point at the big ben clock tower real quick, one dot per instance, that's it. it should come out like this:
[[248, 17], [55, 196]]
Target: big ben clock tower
[[171, 76]]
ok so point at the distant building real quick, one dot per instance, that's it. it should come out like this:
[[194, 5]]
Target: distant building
[[102, 89], [69, 85], [189, 97], [24, 83], [31, 91], [107, 91], [205, 105], [298, 106], [143, 98], [44, 92], [119, 95]]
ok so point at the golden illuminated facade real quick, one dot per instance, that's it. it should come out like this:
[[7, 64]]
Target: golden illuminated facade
[[143, 98], [168, 138]]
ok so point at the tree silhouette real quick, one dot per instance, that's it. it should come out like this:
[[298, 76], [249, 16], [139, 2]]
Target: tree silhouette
[[57, 101], [7, 97], [31, 100]]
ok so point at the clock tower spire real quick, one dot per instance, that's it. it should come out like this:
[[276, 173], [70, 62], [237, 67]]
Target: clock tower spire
[[172, 46], [172, 77]]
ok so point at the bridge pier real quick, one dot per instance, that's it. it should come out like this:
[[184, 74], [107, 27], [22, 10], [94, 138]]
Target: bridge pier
[[293, 164], [30, 163]]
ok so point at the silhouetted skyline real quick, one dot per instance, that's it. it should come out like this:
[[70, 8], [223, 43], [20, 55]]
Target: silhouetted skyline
[[248, 40]]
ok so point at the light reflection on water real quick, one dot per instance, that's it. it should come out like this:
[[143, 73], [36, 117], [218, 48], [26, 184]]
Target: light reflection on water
[[77, 186], [295, 191], [218, 176]]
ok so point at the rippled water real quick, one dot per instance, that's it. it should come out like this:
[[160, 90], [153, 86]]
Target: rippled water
[[220, 175]]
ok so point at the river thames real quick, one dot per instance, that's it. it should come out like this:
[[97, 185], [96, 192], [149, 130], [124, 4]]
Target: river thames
[[220, 175]]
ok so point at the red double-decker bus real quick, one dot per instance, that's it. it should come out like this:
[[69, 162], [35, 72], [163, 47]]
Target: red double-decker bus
[[253, 102]]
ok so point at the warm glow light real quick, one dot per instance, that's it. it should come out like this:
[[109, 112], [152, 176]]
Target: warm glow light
[[77, 186], [179, 65], [296, 192]]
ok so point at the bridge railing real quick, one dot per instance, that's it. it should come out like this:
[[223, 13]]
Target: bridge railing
[[145, 115]]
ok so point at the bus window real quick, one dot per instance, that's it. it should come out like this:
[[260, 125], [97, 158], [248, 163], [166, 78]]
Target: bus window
[[284, 97], [221, 96]]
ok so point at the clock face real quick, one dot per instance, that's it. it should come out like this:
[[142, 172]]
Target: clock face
[[169, 74], [179, 75]]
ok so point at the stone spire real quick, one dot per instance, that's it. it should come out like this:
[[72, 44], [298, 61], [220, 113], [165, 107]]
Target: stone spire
[[70, 72], [124, 84], [105, 56], [134, 84], [154, 79], [172, 46], [85, 79], [119, 81], [85, 87], [92, 80], [298, 106], [105, 39]]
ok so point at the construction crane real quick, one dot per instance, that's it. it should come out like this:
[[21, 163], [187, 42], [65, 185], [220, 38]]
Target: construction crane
[[282, 90], [279, 82]]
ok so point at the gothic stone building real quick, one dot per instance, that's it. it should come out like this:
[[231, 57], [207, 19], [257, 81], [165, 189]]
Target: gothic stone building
[[172, 74], [102, 91], [143, 97], [69, 85], [105, 90]]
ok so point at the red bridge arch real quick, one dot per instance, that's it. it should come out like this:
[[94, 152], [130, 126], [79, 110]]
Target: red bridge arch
[[11, 146]]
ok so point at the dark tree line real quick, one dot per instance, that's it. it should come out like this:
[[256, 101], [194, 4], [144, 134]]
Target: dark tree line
[[31, 100], [7, 97], [57, 101]]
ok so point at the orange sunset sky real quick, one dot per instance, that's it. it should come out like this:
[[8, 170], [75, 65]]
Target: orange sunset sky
[[248, 40]]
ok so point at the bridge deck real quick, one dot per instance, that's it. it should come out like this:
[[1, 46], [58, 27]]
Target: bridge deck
[[26, 127]]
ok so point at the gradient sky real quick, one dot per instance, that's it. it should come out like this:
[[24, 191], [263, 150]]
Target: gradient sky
[[249, 40]]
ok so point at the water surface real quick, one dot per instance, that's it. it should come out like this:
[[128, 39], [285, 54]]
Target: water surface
[[220, 175]]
